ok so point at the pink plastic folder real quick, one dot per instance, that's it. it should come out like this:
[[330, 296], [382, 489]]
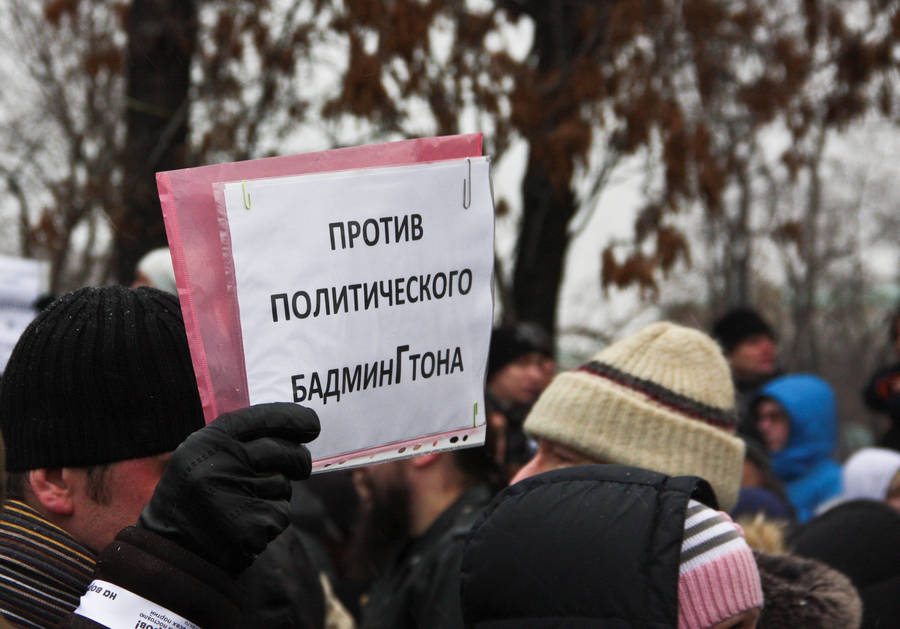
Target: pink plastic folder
[[200, 254]]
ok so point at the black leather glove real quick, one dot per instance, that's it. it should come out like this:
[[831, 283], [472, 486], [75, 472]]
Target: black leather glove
[[225, 493]]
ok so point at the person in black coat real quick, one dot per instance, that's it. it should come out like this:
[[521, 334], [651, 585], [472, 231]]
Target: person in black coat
[[607, 546], [98, 393], [224, 496], [861, 539], [422, 507], [751, 347]]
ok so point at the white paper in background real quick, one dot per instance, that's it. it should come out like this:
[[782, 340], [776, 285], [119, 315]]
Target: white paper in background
[[288, 243], [22, 281]]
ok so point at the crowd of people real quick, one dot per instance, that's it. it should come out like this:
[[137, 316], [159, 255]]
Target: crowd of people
[[678, 478]]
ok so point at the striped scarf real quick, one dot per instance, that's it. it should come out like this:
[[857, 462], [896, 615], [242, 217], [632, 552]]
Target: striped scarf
[[43, 570]]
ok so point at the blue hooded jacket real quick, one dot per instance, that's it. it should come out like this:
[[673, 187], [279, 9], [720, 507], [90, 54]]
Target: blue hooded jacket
[[805, 465]]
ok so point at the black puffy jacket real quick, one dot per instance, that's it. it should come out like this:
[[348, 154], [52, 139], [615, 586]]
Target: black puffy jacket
[[590, 546]]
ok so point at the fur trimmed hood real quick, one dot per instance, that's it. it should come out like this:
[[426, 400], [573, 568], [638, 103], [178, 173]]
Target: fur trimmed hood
[[804, 593]]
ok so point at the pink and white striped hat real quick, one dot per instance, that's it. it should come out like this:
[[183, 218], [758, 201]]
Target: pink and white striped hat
[[717, 577]]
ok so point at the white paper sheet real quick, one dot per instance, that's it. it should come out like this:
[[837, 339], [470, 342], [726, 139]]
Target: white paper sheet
[[408, 227], [22, 281]]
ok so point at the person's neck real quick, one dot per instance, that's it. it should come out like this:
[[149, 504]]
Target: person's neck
[[46, 514], [62, 522], [429, 500], [748, 382]]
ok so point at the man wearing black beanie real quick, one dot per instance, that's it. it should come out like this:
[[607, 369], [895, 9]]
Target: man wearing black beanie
[[98, 393], [520, 366], [516, 372], [749, 344]]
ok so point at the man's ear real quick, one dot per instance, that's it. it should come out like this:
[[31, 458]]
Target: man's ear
[[53, 489], [425, 460]]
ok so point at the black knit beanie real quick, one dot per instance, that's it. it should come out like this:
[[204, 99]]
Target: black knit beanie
[[101, 375], [512, 341], [739, 324]]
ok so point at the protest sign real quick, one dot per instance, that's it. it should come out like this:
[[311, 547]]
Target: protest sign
[[366, 295], [206, 292], [193, 230], [22, 281]]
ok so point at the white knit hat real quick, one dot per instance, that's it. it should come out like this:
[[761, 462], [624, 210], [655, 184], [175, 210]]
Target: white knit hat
[[157, 267], [868, 474], [661, 399]]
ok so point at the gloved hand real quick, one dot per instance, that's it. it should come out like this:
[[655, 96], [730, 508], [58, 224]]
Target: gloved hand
[[225, 493]]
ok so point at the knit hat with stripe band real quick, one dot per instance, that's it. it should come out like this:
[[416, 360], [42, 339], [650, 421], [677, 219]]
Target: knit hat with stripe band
[[102, 375], [717, 574], [661, 399]]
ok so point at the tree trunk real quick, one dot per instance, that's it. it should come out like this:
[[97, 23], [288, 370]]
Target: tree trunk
[[162, 37], [542, 244], [547, 204], [806, 310], [740, 247]]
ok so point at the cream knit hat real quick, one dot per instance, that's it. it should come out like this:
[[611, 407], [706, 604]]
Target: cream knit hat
[[661, 399]]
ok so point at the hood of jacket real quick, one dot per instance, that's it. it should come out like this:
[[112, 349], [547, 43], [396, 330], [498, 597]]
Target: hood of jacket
[[811, 407], [868, 473], [802, 592], [588, 546]]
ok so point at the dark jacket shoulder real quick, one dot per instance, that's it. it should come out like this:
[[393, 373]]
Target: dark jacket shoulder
[[282, 588], [420, 587]]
